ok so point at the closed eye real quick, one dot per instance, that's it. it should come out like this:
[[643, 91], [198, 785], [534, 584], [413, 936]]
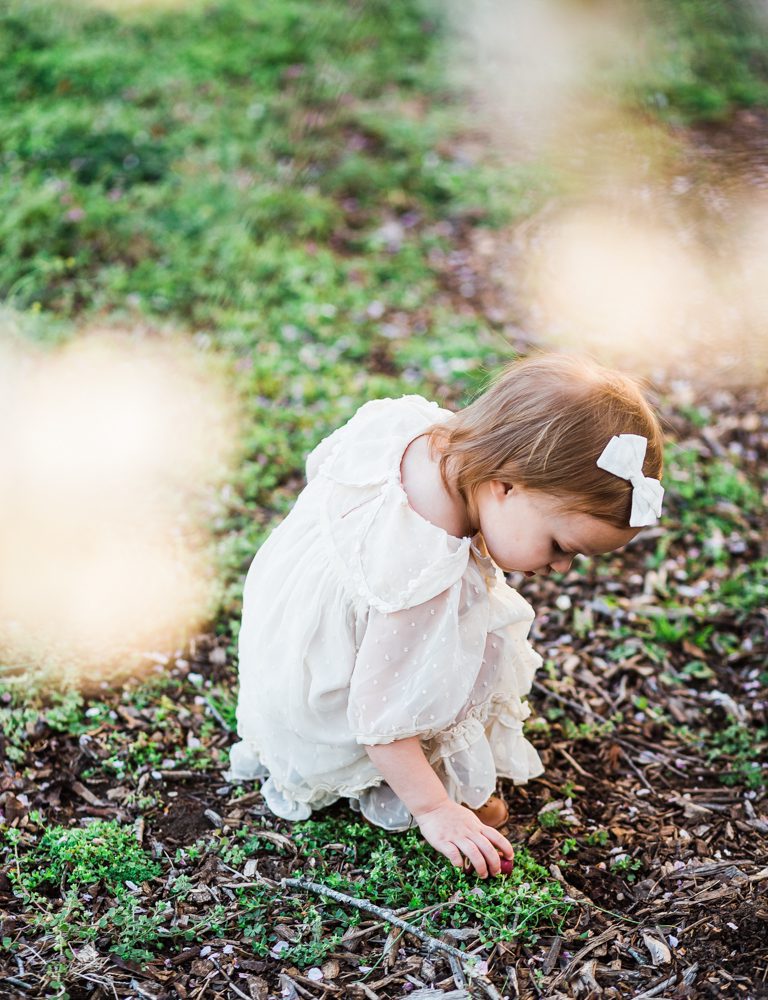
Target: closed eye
[[559, 550]]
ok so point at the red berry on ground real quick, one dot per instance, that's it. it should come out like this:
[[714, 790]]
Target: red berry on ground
[[507, 866]]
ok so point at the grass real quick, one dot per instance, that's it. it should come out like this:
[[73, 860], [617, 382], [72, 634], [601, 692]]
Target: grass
[[239, 190], [103, 860], [244, 184], [101, 852], [70, 867], [708, 59], [210, 149], [738, 750], [100, 862], [395, 871]]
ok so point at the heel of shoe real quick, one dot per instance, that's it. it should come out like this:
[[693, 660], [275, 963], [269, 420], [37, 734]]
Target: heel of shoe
[[494, 813]]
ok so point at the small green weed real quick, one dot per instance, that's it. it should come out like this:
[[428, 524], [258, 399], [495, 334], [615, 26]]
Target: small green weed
[[25, 712], [706, 59], [590, 729], [746, 749], [710, 494], [397, 870], [624, 865], [597, 838], [101, 852], [551, 819], [58, 876], [746, 589]]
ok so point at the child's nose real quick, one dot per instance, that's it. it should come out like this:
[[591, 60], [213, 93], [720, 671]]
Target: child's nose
[[562, 565]]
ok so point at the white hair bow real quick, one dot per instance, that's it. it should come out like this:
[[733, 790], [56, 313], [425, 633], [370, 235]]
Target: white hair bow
[[623, 456]]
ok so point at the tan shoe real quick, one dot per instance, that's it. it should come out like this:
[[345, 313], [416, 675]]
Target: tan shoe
[[494, 813]]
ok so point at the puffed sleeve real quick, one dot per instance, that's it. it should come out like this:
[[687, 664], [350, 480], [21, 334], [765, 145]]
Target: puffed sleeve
[[416, 667], [392, 558], [323, 451], [365, 429]]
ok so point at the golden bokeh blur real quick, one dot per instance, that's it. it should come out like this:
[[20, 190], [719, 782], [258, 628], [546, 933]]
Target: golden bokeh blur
[[538, 69], [617, 285], [113, 448], [647, 257]]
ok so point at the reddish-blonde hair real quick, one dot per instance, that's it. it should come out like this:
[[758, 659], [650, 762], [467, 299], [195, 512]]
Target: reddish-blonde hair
[[543, 423]]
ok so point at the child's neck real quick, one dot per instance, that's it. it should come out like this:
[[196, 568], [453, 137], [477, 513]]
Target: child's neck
[[427, 493]]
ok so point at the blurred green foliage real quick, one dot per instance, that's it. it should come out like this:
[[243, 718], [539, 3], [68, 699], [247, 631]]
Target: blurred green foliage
[[707, 58]]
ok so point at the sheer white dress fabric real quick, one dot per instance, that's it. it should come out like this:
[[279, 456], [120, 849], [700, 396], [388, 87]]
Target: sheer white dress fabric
[[364, 623]]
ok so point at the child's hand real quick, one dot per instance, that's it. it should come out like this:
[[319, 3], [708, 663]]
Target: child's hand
[[456, 832]]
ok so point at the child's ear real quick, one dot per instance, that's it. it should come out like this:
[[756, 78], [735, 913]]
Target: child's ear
[[500, 489]]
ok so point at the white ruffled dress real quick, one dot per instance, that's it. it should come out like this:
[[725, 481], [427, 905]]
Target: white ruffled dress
[[364, 623]]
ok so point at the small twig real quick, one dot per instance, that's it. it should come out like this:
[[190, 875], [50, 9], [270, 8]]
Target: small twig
[[511, 982], [17, 982], [203, 986], [688, 976], [365, 931], [217, 714], [574, 763], [458, 973], [362, 932], [389, 951], [102, 981], [229, 981], [607, 935], [488, 988], [367, 991], [244, 800], [552, 955], [657, 752], [432, 943], [654, 991], [249, 885], [637, 771]]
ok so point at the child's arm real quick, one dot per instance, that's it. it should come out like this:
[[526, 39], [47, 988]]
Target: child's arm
[[450, 828]]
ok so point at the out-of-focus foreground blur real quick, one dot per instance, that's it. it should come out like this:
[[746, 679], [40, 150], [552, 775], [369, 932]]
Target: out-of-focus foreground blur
[[654, 253]]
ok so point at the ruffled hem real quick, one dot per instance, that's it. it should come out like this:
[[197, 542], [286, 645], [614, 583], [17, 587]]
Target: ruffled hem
[[468, 758], [464, 734], [246, 765], [491, 732], [526, 766], [382, 807], [374, 798]]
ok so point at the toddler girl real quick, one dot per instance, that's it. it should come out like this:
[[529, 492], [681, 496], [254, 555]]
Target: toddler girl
[[383, 656]]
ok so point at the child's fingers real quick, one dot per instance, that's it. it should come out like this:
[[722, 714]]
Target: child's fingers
[[490, 853], [499, 842], [475, 856], [453, 854]]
